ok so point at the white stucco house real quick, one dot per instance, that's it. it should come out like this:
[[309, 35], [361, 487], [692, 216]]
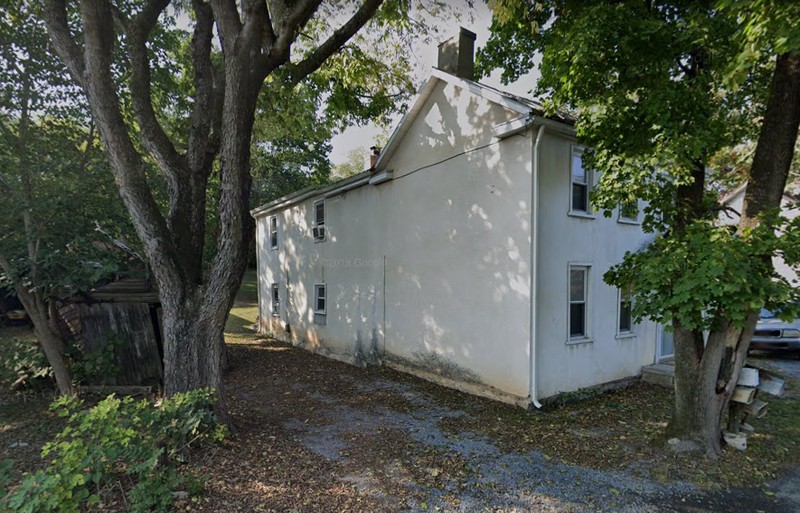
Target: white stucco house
[[468, 254]]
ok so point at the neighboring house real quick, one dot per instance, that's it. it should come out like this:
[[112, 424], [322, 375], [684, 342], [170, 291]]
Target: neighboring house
[[424, 261], [790, 209]]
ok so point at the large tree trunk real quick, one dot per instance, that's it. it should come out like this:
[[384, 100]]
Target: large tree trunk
[[706, 373], [256, 39]]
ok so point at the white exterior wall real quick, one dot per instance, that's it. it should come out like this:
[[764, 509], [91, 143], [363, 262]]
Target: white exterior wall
[[431, 269], [443, 249], [600, 242]]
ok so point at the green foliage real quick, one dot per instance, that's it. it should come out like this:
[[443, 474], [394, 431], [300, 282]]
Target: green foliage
[[115, 439], [706, 274], [20, 358], [90, 368], [663, 89]]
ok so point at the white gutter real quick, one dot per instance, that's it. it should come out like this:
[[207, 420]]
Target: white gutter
[[324, 192], [534, 263]]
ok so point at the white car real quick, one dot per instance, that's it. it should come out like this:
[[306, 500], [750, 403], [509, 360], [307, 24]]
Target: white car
[[774, 334]]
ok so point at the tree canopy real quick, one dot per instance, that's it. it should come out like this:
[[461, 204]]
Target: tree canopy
[[661, 89]]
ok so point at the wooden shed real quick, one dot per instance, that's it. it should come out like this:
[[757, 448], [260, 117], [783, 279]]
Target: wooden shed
[[126, 314]]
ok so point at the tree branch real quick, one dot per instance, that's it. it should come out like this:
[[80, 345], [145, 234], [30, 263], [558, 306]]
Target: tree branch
[[288, 24], [202, 119], [228, 23], [311, 63], [55, 17], [154, 137]]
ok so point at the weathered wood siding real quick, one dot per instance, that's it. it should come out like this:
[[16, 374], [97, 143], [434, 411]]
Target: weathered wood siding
[[138, 356]]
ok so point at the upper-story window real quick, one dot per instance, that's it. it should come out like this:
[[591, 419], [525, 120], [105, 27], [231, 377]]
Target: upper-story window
[[319, 220], [273, 232], [581, 184]]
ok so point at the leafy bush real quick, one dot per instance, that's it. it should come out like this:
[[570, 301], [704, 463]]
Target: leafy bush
[[119, 441], [90, 368], [24, 360]]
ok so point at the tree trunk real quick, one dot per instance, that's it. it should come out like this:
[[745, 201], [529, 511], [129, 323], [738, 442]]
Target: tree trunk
[[50, 340], [192, 352], [697, 405], [706, 373]]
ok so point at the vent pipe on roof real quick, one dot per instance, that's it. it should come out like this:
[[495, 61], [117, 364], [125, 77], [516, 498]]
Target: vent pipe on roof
[[457, 55]]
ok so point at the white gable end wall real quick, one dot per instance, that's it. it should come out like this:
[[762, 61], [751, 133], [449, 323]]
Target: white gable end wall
[[430, 270], [443, 249]]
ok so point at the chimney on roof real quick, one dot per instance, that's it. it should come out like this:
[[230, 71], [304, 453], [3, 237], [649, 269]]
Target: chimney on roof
[[374, 153], [457, 55]]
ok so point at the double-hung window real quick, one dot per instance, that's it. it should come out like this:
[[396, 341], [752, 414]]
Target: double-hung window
[[578, 313], [319, 220], [273, 232], [276, 300], [581, 184], [625, 320], [320, 299]]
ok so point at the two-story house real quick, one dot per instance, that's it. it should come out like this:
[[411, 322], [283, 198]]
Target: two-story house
[[468, 254]]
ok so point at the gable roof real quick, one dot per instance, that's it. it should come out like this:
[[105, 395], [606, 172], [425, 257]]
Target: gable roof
[[531, 113]]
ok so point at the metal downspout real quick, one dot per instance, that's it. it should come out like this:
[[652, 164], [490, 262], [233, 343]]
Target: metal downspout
[[534, 264]]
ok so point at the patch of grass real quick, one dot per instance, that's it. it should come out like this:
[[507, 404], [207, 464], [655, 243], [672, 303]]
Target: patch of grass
[[245, 309]]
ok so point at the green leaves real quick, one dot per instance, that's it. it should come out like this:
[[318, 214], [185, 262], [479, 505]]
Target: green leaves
[[708, 273], [117, 438]]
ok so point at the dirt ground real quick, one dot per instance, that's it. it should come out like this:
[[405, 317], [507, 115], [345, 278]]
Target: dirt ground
[[317, 435]]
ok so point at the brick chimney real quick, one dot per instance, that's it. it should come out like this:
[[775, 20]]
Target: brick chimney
[[457, 54], [374, 153]]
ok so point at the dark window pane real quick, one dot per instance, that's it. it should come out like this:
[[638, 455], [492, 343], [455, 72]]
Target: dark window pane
[[577, 320], [624, 316], [629, 211], [273, 239], [580, 197], [319, 213], [320, 299], [577, 284]]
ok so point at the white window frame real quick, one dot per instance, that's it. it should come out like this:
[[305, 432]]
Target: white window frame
[[620, 332], [318, 229], [317, 287], [273, 219], [576, 150], [621, 218], [586, 336], [275, 303]]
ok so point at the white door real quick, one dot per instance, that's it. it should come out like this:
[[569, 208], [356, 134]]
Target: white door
[[665, 344]]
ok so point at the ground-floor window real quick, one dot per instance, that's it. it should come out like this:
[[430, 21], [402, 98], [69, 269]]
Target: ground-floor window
[[320, 298], [276, 300], [624, 320], [578, 301]]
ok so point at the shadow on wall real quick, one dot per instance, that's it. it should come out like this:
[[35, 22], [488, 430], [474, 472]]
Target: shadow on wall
[[451, 236]]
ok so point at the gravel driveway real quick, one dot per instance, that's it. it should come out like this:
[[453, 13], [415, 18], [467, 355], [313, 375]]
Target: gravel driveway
[[317, 435]]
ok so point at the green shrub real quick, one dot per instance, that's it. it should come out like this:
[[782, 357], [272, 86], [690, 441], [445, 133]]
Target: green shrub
[[92, 368], [118, 441], [22, 359]]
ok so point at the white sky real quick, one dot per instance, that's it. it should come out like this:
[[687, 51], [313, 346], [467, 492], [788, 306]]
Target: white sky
[[425, 58]]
